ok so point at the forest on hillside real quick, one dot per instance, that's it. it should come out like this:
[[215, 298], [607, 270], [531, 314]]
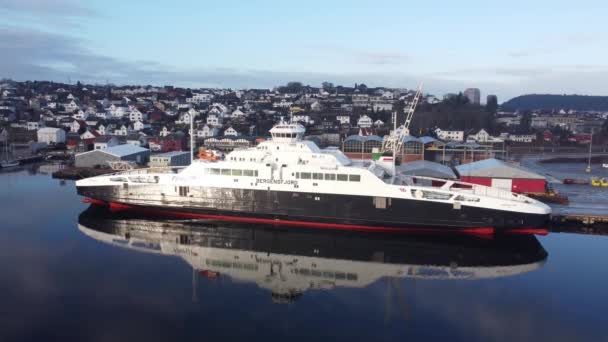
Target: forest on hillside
[[557, 102]]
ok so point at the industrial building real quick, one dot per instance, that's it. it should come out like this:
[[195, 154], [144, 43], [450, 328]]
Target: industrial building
[[499, 174], [174, 158], [426, 168], [135, 154], [51, 135]]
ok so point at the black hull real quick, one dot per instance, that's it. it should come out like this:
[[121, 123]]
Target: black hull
[[307, 209]]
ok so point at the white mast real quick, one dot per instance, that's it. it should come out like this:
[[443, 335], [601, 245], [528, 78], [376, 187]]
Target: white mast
[[191, 137]]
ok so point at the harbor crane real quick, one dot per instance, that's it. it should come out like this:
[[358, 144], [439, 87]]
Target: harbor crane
[[394, 141]]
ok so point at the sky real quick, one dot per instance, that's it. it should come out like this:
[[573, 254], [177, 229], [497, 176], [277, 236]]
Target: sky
[[506, 48]]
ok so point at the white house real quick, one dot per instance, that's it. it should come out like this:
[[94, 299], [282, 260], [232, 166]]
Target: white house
[[136, 115], [105, 141], [123, 131], [282, 104], [364, 122], [482, 137], [238, 113], [378, 123], [301, 118], [51, 135], [76, 124], [343, 119], [71, 106], [449, 135], [138, 125], [382, 106], [218, 108], [34, 125], [206, 132], [200, 98], [164, 132], [214, 120], [522, 138], [316, 106], [231, 132]]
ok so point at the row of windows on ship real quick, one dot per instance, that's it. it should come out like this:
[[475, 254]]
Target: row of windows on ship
[[340, 177]]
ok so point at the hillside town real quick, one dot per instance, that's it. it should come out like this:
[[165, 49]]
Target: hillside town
[[137, 122]]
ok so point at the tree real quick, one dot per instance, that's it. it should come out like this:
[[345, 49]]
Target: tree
[[291, 87], [327, 86], [526, 122], [492, 105]]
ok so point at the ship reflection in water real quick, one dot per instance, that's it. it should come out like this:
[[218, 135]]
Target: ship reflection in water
[[290, 262]]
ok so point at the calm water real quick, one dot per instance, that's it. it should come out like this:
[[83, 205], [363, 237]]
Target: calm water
[[74, 274]]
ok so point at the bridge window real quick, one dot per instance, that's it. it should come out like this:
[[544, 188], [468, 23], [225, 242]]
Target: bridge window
[[248, 173], [305, 175], [342, 178], [226, 172], [317, 176], [237, 172], [354, 178], [214, 171], [330, 176]]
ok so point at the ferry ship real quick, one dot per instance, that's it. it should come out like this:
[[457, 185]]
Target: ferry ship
[[291, 181], [287, 262]]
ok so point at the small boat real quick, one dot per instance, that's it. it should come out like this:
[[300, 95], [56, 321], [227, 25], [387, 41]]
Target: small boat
[[570, 181], [9, 164], [605, 165], [599, 182]]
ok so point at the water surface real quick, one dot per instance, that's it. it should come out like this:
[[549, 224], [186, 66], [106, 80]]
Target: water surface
[[75, 274]]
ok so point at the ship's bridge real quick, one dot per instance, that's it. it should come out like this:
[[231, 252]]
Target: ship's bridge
[[287, 132]]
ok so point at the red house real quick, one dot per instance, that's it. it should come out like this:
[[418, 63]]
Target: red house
[[172, 142], [498, 174]]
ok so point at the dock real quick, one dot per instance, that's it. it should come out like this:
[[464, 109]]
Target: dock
[[578, 219]]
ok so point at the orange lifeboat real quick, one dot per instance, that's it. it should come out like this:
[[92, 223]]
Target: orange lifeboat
[[205, 154]]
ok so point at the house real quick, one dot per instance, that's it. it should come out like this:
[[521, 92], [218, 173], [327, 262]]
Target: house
[[138, 126], [206, 132], [174, 158], [316, 106], [123, 131], [200, 98], [136, 139], [343, 119], [164, 131], [238, 113], [498, 174], [76, 125], [522, 138], [364, 122], [136, 115], [101, 157], [482, 136], [88, 139], [382, 106], [231, 132], [449, 135], [305, 119], [51, 135], [71, 106], [105, 141], [214, 120], [34, 125], [171, 142]]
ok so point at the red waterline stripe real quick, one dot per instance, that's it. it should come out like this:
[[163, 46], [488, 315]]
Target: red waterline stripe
[[480, 231]]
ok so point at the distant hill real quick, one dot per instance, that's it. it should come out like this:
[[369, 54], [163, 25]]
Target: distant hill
[[557, 102]]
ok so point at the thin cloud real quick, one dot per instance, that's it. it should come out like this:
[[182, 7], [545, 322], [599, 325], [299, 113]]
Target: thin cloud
[[63, 8]]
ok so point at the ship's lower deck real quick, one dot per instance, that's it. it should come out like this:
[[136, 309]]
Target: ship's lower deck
[[307, 209]]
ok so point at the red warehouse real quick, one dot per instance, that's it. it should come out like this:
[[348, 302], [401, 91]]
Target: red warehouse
[[498, 174]]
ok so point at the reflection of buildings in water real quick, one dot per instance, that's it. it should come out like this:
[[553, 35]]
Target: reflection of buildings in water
[[288, 262]]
